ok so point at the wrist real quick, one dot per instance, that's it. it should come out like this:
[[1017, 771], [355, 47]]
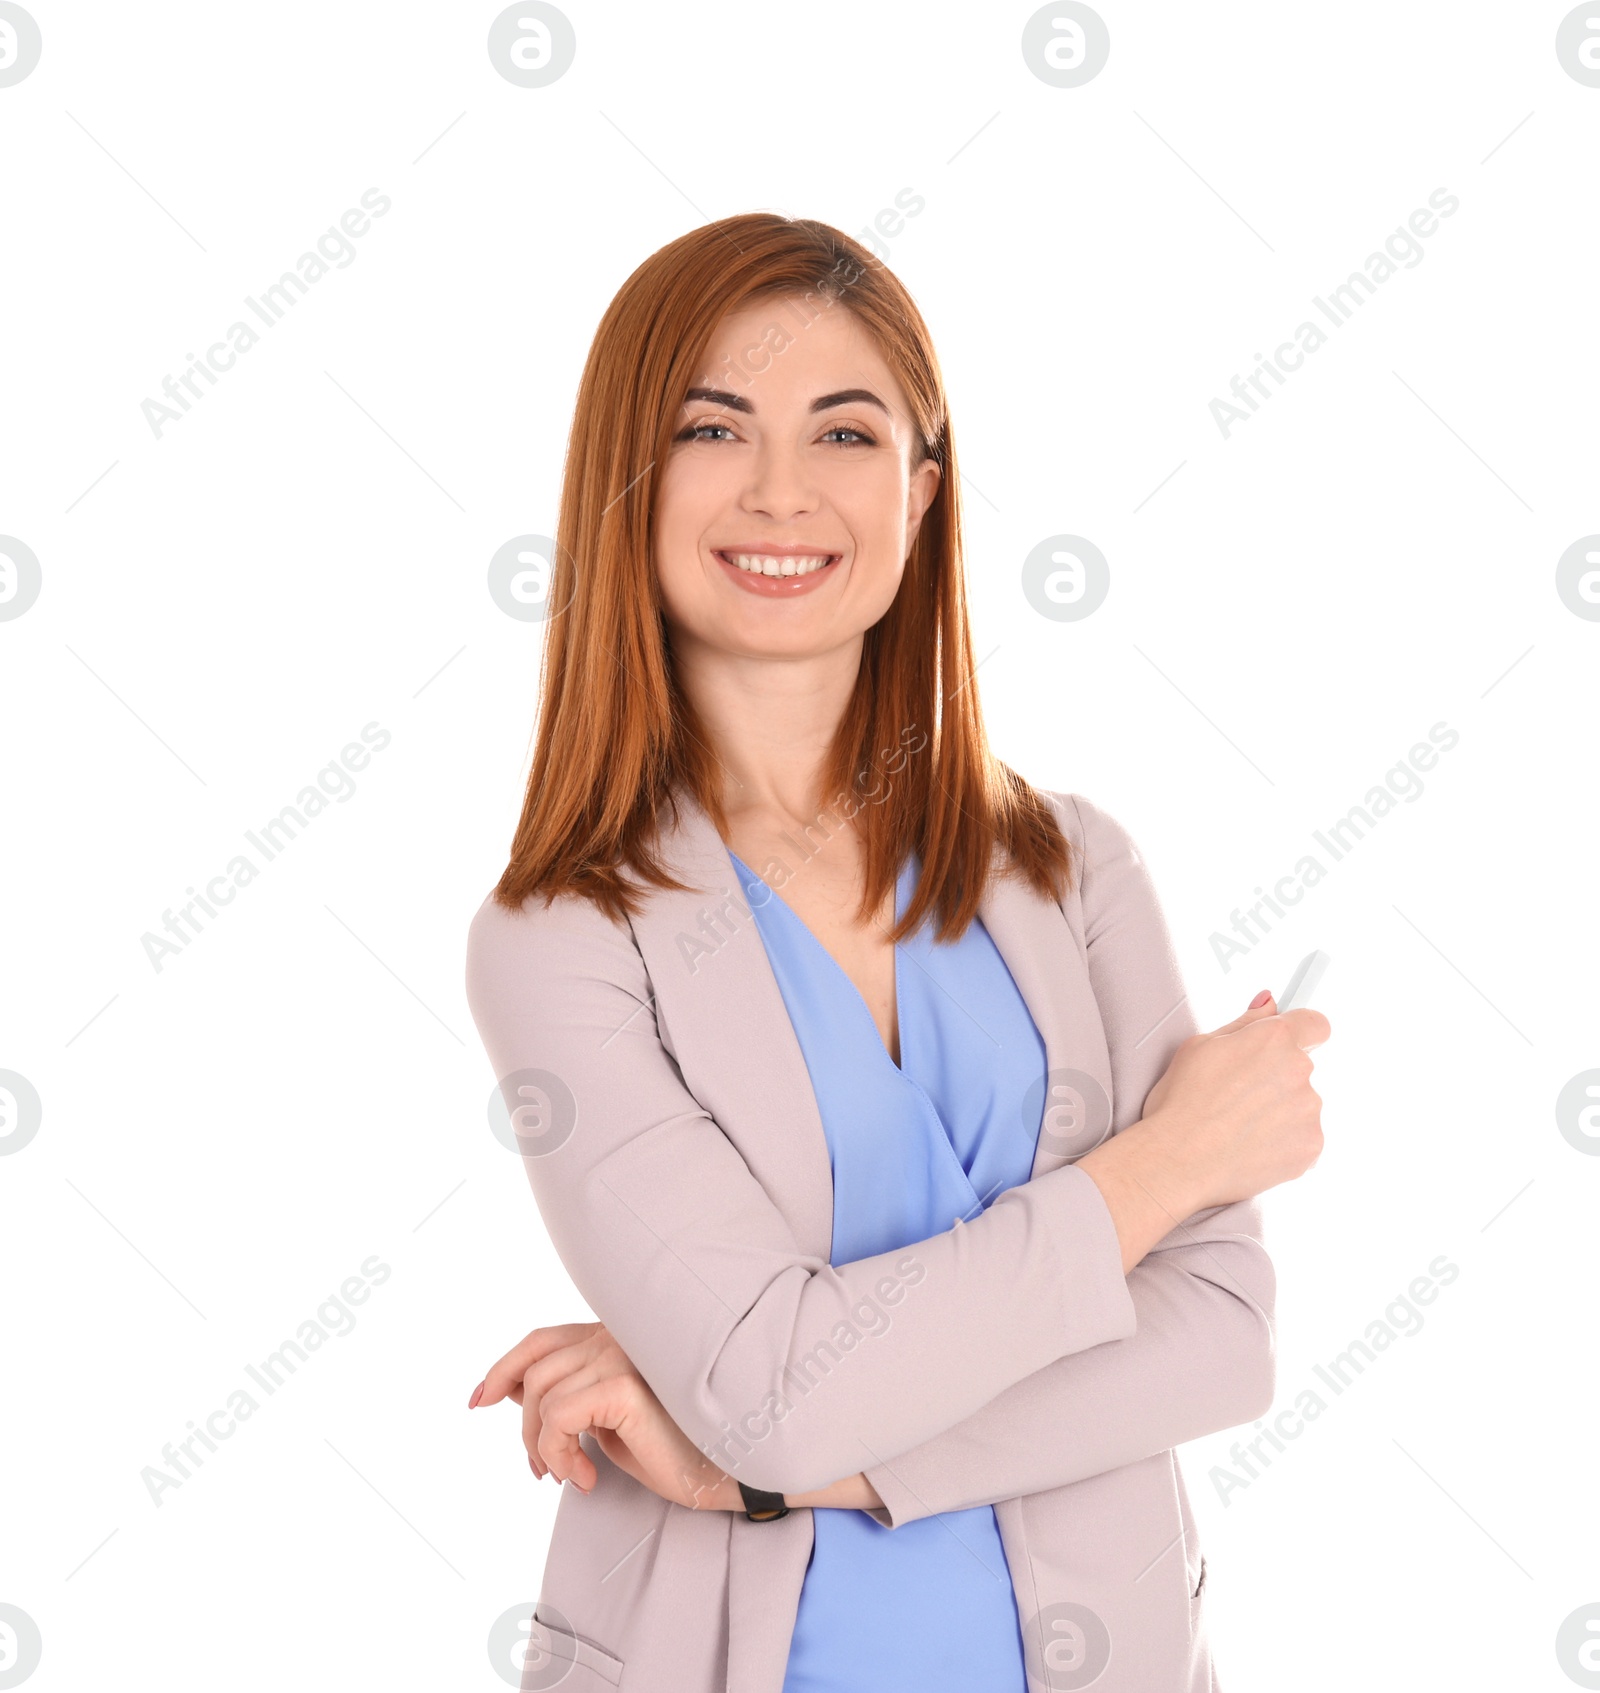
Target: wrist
[[720, 1493], [727, 1496], [849, 1493], [1148, 1184], [1168, 1163]]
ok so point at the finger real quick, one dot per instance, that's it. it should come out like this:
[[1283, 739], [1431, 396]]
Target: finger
[[581, 1392], [528, 1351], [1268, 1008], [1310, 1027], [583, 1360], [560, 1454], [571, 1411], [582, 1355], [530, 1426], [565, 1458], [533, 1426]]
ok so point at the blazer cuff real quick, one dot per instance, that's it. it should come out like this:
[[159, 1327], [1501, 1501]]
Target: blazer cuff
[[1095, 1294], [901, 1502]]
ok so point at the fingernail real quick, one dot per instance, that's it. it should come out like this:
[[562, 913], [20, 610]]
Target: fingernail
[[477, 1393], [1261, 998]]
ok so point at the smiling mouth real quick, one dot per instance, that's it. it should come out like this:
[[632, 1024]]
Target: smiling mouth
[[779, 564]]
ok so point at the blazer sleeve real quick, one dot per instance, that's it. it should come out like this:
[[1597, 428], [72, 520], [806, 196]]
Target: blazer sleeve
[[763, 1354], [1202, 1356]]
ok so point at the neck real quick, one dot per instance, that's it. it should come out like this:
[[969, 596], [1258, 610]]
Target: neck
[[770, 722]]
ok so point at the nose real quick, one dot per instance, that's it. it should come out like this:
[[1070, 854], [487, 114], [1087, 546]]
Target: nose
[[781, 485]]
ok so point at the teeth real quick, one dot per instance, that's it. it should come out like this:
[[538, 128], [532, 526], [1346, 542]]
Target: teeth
[[765, 564]]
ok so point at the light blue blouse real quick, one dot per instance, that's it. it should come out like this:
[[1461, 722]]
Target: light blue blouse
[[929, 1605]]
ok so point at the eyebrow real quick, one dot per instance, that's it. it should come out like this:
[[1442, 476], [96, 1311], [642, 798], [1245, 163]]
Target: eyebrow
[[737, 402]]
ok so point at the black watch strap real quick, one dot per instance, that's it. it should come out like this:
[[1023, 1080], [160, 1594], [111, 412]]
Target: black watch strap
[[762, 1507]]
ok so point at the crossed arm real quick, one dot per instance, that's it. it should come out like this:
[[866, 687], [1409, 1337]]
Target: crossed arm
[[1065, 1364], [1200, 1358]]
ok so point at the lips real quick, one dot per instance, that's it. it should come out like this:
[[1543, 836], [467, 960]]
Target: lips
[[760, 562], [777, 573]]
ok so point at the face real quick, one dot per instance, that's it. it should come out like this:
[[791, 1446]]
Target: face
[[789, 501]]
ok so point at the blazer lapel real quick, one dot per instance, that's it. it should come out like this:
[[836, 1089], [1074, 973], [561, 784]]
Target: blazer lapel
[[723, 1018], [1031, 933]]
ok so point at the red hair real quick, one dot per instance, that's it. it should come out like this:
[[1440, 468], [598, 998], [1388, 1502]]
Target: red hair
[[616, 733]]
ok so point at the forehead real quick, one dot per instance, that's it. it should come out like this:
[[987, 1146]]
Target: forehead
[[788, 346]]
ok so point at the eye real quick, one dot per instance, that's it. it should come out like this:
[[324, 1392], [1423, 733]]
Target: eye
[[697, 432], [861, 437]]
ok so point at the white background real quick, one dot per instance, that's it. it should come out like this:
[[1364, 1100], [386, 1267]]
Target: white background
[[224, 606]]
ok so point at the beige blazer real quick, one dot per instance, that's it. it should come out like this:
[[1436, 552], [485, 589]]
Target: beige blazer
[[674, 1146]]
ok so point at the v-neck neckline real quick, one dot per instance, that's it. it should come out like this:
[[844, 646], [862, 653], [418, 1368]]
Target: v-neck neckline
[[844, 975]]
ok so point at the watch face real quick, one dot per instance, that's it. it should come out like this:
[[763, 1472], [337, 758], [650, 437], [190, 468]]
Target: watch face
[[762, 1507]]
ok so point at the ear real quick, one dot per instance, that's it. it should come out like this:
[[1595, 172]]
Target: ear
[[924, 485]]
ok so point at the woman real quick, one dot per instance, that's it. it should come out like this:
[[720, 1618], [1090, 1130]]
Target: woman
[[854, 1077]]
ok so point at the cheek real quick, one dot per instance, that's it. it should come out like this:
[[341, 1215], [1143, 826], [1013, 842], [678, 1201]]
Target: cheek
[[666, 516], [875, 509], [688, 497], [677, 528], [673, 534]]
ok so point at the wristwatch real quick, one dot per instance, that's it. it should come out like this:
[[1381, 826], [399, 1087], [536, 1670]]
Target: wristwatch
[[762, 1507]]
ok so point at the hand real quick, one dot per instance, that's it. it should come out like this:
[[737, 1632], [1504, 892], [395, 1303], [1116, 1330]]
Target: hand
[[575, 1379], [651, 1447], [1237, 1106], [1263, 1005]]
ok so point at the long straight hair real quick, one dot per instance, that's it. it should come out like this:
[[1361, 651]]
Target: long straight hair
[[910, 767]]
